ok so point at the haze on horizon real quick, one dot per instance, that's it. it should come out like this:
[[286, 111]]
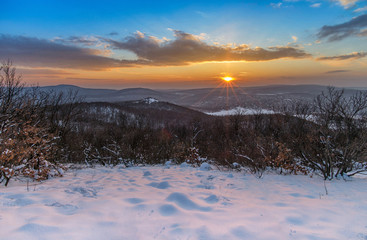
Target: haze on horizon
[[186, 44]]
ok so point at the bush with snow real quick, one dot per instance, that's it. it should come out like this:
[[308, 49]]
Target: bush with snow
[[29, 151]]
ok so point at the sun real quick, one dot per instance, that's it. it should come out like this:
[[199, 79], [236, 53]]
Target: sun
[[227, 78]]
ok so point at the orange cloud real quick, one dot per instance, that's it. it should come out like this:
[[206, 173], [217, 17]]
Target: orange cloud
[[188, 48]]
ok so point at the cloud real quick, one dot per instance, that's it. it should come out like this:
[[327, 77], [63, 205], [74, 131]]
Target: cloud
[[362, 9], [352, 56], [343, 30], [187, 48], [337, 71], [78, 52], [87, 41], [363, 33], [113, 34], [276, 5], [202, 14], [43, 71], [315, 5], [36, 52], [347, 3]]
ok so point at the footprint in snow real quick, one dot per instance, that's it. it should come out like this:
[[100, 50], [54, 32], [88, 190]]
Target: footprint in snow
[[295, 195], [211, 199], [134, 200], [300, 195], [184, 202], [19, 200], [362, 236], [141, 208], [210, 177], [280, 204], [91, 181], [204, 233], [85, 192], [147, 173], [161, 185], [295, 221], [310, 196], [66, 209], [167, 210], [241, 232], [205, 184], [37, 228]]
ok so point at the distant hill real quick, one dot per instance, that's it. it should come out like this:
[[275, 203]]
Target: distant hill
[[148, 110], [205, 99]]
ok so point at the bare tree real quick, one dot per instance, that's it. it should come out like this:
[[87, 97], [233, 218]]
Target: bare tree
[[11, 87], [27, 147], [337, 146]]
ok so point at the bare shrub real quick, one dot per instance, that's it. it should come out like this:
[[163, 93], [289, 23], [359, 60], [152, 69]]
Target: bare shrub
[[337, 145]]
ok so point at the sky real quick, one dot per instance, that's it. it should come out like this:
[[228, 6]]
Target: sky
[[186, 44]]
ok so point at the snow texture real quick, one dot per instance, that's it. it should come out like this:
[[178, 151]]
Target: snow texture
[[240, 111], [150, 100], [181, 202]]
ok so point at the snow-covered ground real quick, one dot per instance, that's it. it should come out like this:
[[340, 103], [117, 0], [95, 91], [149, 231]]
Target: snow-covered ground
[[183, 203], [240, 111]]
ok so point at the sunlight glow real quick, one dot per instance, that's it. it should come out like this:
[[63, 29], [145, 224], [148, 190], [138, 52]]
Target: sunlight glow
[[227, 78]]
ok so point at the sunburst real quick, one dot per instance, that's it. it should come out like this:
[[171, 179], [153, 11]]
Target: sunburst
[[227, 78]]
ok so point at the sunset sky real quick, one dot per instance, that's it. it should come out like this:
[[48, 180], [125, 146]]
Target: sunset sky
[[186, 44]]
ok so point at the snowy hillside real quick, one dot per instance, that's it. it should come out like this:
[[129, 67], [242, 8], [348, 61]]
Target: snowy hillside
[[240, 111], [183, 203]]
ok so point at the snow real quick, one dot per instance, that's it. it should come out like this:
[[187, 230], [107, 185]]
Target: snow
[[150, 100], [205, 166], [181, 202], [240, 111]]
